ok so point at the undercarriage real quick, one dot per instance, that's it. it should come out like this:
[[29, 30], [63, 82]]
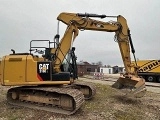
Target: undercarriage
[[66, 99]]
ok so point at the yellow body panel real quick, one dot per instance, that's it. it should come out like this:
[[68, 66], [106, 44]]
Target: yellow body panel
[[36, 58], [149, 65], [14, 69], [22, 70], [31, 70]]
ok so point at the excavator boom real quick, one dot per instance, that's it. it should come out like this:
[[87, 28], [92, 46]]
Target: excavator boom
[[91, 24], [130, 79]]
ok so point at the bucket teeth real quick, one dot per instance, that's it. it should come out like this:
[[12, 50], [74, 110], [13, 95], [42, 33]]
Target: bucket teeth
[[131, 86]]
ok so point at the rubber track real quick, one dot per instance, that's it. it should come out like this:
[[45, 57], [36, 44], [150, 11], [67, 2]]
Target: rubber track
[[77, 96], [89, 85]]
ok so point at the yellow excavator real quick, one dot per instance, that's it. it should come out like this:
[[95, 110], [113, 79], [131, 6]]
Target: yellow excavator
[[44, 83]]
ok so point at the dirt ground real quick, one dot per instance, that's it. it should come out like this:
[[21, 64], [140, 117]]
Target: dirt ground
[[108, 104]]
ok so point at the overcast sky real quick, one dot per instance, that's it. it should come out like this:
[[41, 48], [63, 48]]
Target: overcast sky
[[24, 20]]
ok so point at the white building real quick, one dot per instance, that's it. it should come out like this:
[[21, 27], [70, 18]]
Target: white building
[[106, 70], [112, 70]]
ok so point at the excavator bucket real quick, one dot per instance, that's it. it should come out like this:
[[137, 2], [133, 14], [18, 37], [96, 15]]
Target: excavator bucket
[[132, 86]]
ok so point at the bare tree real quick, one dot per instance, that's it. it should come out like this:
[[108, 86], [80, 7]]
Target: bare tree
[[93, 63], [108, 66], [99, 63]]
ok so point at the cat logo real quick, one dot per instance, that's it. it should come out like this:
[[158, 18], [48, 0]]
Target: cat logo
[[43, 68]]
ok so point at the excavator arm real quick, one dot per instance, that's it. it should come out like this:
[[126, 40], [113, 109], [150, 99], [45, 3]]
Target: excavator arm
[[66, 43], [120, 28], [130, 80]]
